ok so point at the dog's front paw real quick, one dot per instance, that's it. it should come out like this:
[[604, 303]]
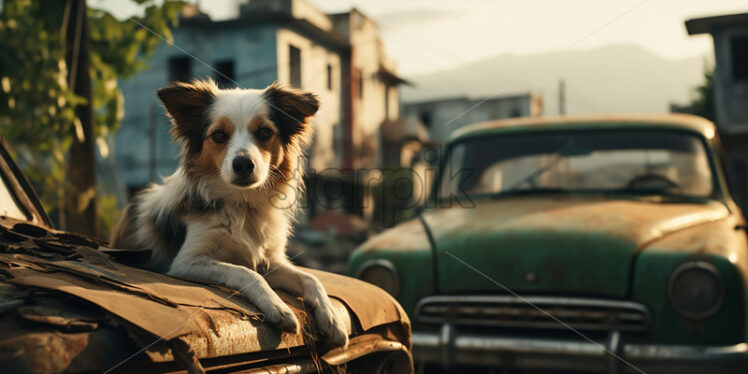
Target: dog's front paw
[[282, 317], [331, 325]]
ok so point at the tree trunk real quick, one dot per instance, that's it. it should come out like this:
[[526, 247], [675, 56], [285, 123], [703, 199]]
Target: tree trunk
[[80, 196]]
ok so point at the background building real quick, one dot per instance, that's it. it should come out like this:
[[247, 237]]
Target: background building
[[730, 34], [443, 116], [373, 83]]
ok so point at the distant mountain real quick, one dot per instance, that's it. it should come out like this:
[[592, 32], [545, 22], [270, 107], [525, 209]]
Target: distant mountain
[[615, 78]]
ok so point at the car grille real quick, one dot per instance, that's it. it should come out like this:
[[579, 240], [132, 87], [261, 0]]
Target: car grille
[[536, 312]]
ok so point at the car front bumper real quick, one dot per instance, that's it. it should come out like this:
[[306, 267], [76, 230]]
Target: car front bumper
[[448, 348]]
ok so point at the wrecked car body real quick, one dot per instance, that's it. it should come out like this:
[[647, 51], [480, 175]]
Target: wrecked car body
[[70, 304]]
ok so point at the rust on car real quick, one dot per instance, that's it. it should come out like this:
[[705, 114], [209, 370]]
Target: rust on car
[[69, 307]]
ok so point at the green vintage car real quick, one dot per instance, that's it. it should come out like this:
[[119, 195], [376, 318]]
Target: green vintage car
[[604, 244]]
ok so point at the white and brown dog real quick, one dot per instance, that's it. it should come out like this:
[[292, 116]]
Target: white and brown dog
[[225, 215]]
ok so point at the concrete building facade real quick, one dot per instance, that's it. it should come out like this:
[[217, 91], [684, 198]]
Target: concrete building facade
[[730, 35]]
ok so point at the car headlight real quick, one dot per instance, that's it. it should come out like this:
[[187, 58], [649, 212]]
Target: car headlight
[[696, 290], [382, 274]]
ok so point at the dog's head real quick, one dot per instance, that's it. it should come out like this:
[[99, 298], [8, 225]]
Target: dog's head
[[247, 137]]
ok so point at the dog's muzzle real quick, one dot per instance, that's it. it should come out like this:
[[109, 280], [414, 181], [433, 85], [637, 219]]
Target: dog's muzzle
[[243, 169]]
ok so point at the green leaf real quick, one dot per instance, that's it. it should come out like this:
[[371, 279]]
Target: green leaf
[[33, 60]]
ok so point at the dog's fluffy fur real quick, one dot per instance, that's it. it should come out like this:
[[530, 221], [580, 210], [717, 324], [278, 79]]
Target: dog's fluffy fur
[[225, 215]]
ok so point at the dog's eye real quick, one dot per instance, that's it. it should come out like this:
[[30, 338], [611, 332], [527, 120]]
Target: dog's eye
[[219, 136], [263, 133]]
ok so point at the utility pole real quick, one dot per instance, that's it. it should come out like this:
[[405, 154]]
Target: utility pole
[[80, 197], [561, 97]]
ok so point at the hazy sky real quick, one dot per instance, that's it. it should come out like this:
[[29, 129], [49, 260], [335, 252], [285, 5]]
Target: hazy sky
[[430, 35]]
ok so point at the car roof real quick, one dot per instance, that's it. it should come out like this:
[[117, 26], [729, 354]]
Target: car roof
[[579, 122]]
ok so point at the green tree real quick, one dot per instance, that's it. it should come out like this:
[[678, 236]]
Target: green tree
[[38, 106], [702, 102]]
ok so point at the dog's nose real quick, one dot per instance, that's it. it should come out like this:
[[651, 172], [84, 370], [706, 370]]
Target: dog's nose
[[243, 165]]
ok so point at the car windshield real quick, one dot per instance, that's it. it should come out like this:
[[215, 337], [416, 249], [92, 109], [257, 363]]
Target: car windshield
[[607, 161], [9, 207]]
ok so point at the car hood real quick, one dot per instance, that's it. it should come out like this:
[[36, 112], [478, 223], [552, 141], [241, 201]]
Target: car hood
[[68, 293], [553, 245]]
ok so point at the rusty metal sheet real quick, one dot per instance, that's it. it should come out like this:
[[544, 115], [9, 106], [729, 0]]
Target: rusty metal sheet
[[223, 334], [186, 320], [33, 351], [296, 367], [211, 329], [370, 304], [165, 289], [60, 316], [361, 346], [158, 319]]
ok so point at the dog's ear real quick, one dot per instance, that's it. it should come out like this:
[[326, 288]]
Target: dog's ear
[[187, 105], [289, 110]]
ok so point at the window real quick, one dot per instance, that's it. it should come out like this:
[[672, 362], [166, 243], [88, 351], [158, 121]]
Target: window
[[224, 74], [515, 112], [329, 77], [739, 50], [646, 162], [294, 57], [180, 69]]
